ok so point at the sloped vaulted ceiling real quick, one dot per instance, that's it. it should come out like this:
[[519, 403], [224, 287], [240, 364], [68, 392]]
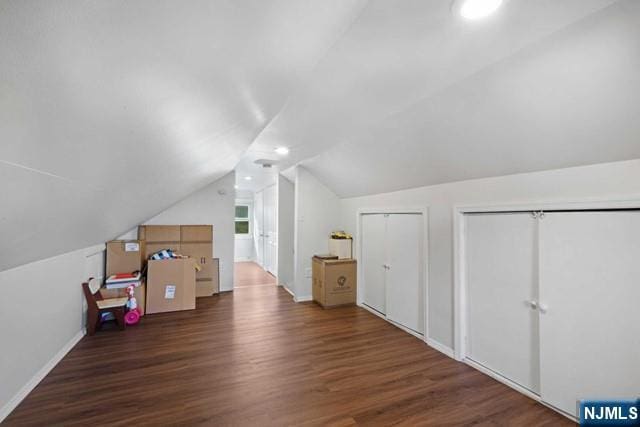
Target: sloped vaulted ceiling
[[413, 95], [112, 110]]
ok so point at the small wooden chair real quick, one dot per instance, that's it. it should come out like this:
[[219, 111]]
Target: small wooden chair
[[96, 306]]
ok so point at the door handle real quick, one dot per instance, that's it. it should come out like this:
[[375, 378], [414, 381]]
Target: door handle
[[543, 308], [532, 303]]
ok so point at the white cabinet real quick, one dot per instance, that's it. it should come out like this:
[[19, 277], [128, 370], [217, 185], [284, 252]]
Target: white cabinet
[[392, 267], [552, 302]]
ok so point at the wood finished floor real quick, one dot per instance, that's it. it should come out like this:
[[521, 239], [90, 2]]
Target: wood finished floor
[[249, 273], [256, 358]]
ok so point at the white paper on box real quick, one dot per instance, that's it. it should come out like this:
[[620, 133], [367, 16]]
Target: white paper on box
[[132, 247], [170, 291]]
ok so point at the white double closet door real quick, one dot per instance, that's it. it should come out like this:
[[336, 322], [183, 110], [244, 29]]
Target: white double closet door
[[553, 302], [392, 267]]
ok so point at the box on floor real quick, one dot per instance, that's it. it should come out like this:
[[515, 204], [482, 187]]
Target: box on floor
[[171, 285]]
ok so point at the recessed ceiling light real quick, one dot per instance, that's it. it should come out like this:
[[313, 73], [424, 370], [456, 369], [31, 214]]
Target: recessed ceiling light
[[282, 150], [477, 9], [248, 178]]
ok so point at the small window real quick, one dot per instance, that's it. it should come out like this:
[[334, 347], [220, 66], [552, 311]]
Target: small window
[[243, 226], [242, 212]]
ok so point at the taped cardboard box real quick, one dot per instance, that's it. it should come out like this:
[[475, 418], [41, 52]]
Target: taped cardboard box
[[124, 256], [196, 233], [171, 285], [334, 281]]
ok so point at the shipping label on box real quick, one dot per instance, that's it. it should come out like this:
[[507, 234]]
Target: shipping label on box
[[132, 247], [170, 292]]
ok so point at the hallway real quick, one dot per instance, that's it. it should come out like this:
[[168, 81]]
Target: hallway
[[248, 273]]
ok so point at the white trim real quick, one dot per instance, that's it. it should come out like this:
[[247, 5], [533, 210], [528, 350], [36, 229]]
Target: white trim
[[303, 298], [286, 288], [95, 250], [39, 376], [397, 325], [436, 345], [502, 379], [422, 210]]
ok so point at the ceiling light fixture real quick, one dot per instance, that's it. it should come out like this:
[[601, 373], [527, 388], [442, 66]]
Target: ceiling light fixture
[[282, 151], [477, 9], [248, 178]]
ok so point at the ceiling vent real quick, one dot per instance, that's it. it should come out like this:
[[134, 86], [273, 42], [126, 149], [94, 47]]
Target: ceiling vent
[[266, 163]]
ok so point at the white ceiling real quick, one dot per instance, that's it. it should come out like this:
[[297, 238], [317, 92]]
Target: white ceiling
[[112, 111]]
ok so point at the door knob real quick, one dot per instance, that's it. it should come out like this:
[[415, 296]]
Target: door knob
[[533, 304], [543, 308]]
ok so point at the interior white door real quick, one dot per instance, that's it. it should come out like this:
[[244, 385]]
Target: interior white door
[[373, 261], [270, 229], [259, 227], [501, 277], [589, 312], [404, 271]]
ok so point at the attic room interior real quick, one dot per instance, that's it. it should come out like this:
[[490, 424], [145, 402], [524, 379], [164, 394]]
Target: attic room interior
[[320, 213]]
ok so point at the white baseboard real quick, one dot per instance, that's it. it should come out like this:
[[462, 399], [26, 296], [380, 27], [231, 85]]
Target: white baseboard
[[286, 288], [447, 351], [39, 376], [303, 298]]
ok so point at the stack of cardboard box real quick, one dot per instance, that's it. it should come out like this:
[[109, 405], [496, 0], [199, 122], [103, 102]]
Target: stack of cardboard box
[[173, 284]]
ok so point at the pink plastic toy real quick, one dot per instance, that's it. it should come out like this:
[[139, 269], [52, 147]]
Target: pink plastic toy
[[133, 314]]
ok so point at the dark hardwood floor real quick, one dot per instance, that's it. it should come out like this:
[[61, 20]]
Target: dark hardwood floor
[[256, 358]]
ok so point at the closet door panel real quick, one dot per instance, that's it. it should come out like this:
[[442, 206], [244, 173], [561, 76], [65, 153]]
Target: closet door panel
[[373, 261], [590, 313], [258, 233], [270, 232], [404, 275], [501, 276]]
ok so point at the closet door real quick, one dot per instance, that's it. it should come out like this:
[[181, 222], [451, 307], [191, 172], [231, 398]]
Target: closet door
[[270, 232], [373, 261], [590, 306], [404, 276], [502, 322], [258, 236]]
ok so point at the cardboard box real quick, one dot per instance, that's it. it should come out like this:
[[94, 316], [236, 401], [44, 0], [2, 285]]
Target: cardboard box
[[334, 281], [171, 285], [159, 233], [202, 253], [140, 294], [342, 248], [196, 233], [208, 287], [124, 256]]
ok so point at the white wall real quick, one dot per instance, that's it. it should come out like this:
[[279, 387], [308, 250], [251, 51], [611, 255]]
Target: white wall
[[286, 220], [41, 318], [612, 180], [317, 214], [214, 204]]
